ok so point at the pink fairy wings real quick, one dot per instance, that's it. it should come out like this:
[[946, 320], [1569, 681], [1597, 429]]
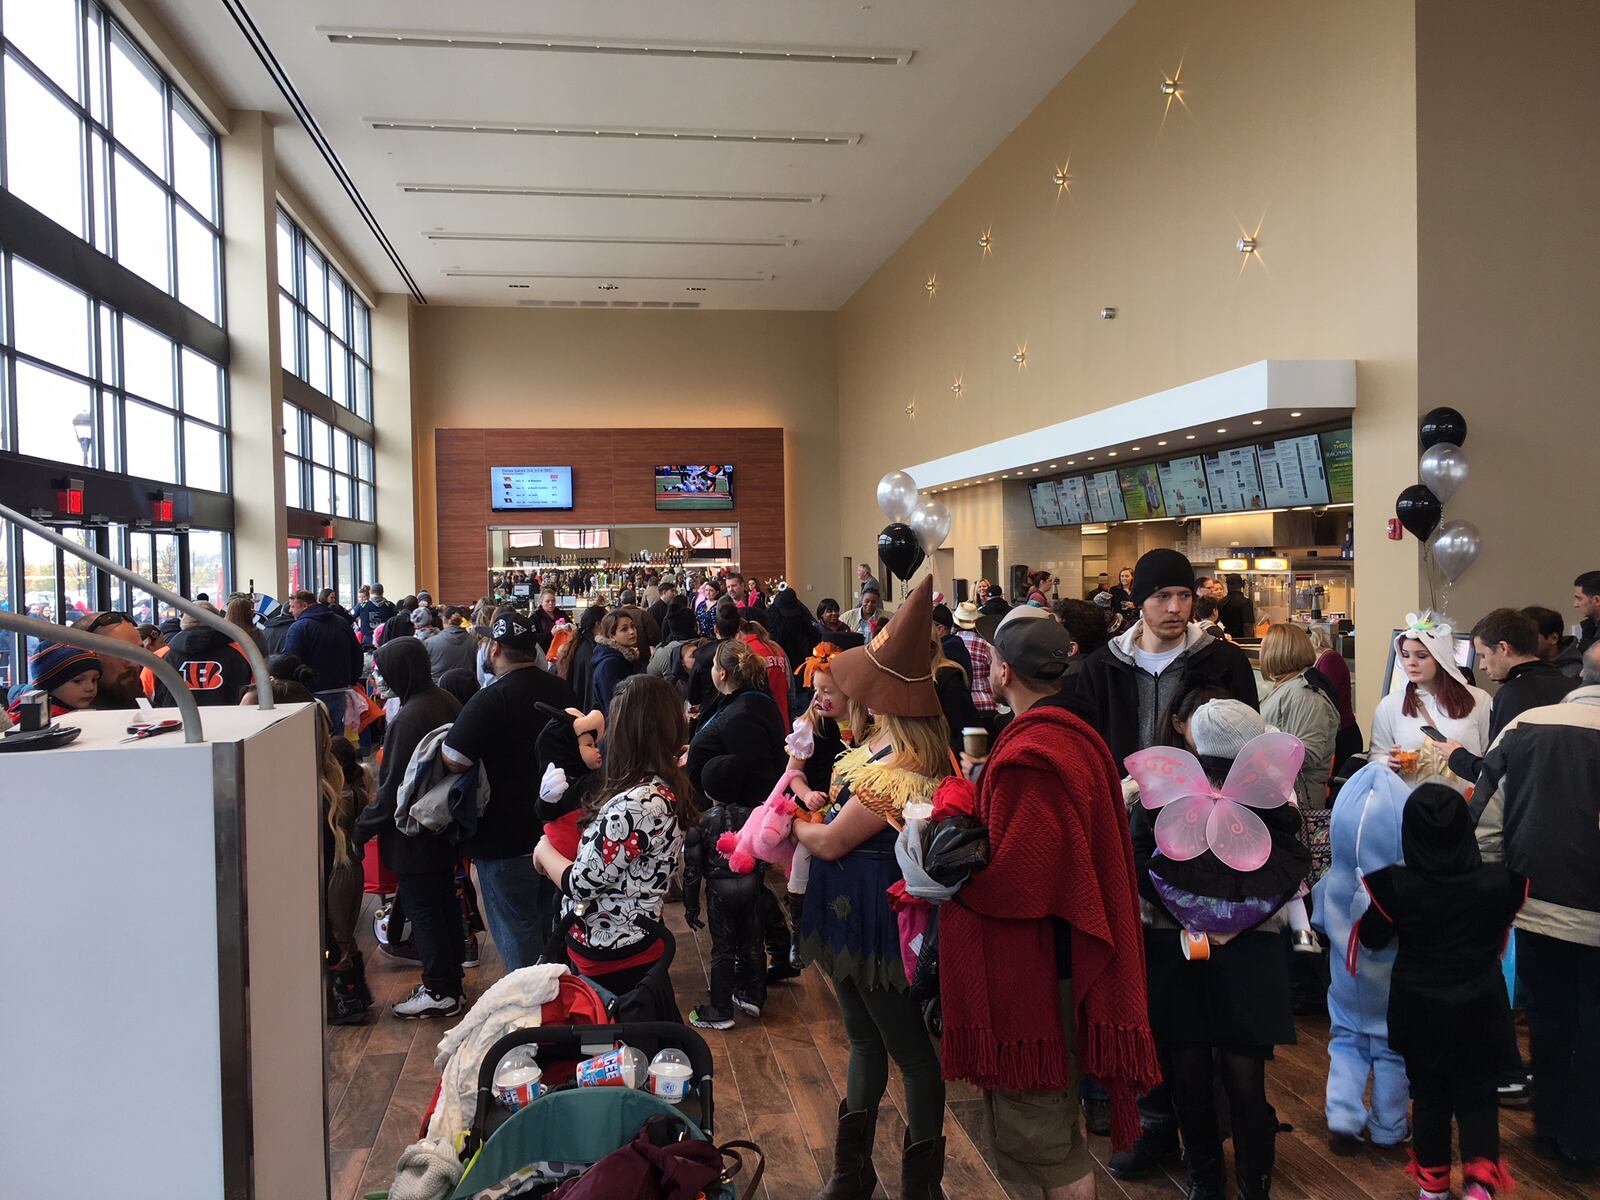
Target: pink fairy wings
[[1196, 817]]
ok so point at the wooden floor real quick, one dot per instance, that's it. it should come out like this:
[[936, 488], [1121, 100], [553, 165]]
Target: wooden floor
[[779, 1080]]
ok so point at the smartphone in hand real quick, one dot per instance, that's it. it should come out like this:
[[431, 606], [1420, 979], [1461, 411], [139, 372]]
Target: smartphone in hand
[[1433, 734]]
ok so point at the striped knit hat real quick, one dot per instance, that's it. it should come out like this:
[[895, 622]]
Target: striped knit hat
[[55, 663]]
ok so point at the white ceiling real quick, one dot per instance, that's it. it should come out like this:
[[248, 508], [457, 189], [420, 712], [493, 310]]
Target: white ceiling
[[977, 68]]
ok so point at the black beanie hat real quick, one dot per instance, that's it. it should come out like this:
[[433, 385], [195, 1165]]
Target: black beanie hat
[[1160, 569]]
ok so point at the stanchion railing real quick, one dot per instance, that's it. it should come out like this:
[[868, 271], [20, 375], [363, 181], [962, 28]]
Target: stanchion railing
[[252, 652]]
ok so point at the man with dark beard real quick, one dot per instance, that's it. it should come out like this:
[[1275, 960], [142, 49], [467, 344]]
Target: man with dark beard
[[119, 677]]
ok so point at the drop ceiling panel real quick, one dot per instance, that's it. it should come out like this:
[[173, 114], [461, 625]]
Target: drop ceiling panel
[[976, 70]]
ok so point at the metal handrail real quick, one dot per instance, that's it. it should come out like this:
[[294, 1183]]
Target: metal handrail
[[252, 652], [101, 644]]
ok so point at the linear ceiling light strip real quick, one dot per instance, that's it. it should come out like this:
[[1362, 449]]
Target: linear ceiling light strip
[[441, 40], [302, 111], [577, 193], [757, 278], [783, 137], [599, 240]]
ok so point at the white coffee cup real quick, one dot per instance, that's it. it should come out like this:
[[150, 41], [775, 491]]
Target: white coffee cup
[[670, 1081]]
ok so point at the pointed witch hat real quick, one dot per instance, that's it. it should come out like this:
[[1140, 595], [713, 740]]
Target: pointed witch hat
[[893, 673]]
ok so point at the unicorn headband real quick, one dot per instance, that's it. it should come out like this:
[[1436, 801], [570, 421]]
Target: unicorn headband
[[1194, 816], [822, 656], [1436, 634]]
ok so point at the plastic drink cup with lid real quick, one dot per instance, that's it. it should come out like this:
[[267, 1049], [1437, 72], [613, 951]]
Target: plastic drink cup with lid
[[621, 1066], [669, 1076]]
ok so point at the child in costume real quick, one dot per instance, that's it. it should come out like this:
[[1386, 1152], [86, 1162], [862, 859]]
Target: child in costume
[[1450, 912], [1218, 856], [733, 899], [1364, 833], [820, 735], [570, 744]]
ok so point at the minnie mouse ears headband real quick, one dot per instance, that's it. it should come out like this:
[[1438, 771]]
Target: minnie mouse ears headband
[[1436, 634]]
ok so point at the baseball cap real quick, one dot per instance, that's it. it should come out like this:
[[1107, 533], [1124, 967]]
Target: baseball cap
[[1034, 649], [989, 625], [516, 631]]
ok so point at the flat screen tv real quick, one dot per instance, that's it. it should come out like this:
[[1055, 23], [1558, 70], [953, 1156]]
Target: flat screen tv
[[1291, 472], [525, 489], [694, 489], [1183, 487], [1073, 498], [1234, 480], [1338, 461], [1046, 506], [1141, 492], [1105, 497]]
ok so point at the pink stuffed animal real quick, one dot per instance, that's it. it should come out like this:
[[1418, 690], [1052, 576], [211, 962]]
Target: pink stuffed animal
[[767, 833]]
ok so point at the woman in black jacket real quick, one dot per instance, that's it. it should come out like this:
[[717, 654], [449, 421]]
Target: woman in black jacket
[[793, 628], [424, 864], [580, 673], [745, 724]]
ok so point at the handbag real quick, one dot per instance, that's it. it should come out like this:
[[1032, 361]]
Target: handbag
[[660, 1164]]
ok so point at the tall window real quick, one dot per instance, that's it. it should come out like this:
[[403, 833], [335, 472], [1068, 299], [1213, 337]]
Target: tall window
[[97, 140], [325, 327]]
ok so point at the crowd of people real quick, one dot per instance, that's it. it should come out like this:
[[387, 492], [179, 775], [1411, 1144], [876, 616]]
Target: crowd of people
[[1162, 839]]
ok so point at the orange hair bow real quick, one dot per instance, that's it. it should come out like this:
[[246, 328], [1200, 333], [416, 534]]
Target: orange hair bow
[[822, 656]]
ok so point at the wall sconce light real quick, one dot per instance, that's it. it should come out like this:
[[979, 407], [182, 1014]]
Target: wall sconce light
[[1063, 178], [911, 410], [1172, 90], [957, 386], [1108, 314], [932, 286], [1169, 87], [1248, 245], [986, 240], [1021, 356]]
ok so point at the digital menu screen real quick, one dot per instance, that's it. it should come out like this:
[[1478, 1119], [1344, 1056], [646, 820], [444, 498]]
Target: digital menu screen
[[1105, 497], [1183, 487], [1046, 509], [1338, 463], [1234, 480], [1073, 499], [1291, 472], [517, 489], [1141, 492]]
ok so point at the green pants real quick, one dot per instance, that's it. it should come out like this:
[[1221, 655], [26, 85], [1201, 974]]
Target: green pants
[[884, 1024]]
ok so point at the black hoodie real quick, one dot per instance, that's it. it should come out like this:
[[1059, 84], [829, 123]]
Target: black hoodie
[[1450, 912], [406, 671]]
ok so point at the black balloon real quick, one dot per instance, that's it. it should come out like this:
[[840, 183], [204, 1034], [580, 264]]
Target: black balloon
[[1419, 511], [1443, 425], [899, 550]]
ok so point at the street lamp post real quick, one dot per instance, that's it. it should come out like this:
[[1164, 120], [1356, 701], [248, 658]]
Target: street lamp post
[[83, 426]]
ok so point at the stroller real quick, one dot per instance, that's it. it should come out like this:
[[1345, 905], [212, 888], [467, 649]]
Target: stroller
[[651, 999], [568, 1129]]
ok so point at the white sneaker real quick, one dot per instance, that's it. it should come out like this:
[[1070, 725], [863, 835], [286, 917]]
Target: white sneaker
[[748, 1007], [422, 1003]]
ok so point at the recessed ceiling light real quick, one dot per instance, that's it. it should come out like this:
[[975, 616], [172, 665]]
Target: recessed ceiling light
[[1091, 458], [1136, 447], [1222, 429], [1161, 443], [1255, 422], [1294, 414], [1036, 470], [1072, 462], [1111, 454], [1052, 466], [1188, 437]]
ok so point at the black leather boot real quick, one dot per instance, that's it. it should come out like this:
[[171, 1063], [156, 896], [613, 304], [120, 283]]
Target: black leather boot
[[922, 1170], [794, 902], [1254, 1155], [853, 1175], [1202, 1151]]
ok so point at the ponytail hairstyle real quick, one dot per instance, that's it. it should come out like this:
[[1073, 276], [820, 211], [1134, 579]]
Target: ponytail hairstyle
[[743, 668]]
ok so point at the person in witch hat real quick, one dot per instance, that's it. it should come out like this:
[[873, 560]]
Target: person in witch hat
[[847, 927]]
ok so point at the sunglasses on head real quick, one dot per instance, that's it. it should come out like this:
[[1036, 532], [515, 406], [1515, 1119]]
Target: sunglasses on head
[[106, 619]]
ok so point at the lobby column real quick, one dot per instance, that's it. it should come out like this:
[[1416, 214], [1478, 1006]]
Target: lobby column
[[391, 416], [255, 388]]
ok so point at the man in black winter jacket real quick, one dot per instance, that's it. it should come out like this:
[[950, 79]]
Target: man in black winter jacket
[[211, 663], [1586, 600], [1134, 681], [324, 641], [1507, 643]]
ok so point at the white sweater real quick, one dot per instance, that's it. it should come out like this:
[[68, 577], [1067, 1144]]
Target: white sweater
[[1393, 730]]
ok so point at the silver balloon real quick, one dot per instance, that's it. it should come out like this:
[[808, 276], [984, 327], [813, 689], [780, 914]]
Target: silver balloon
[[930, 521], [1455, 546], [897, 495], [1443, 469]]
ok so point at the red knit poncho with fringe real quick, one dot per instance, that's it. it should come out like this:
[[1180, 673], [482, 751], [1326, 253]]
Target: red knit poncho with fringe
[[1051, 799]]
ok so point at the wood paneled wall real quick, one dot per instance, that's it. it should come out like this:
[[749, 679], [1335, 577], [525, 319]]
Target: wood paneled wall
[[613, 483]]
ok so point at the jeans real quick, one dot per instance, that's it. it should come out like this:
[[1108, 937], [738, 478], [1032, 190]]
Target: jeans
[[1563, 982], [513, 906], [334, 702], [435, 914], [1351, 1056]]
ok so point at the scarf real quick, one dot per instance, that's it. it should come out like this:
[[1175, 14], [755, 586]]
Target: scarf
[[1051, 799], [631, 653]]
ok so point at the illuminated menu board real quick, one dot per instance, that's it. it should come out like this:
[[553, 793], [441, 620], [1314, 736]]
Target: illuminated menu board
[[1105, 497], [1141, 492], [1291, 472], [1338, 463], [1073, 498], [1046, 511], [1234, 480], [1183, 487]]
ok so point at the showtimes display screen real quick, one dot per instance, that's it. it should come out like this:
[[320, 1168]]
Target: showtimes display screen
[[1183, 487], [1141, 492], [1234, 480], [1291, 472], [694, 489], [524, 489]]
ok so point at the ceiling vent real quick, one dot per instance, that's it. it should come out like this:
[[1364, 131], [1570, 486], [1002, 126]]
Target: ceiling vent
[[557, 239], [578, 193], [616, 132], [433, 39]]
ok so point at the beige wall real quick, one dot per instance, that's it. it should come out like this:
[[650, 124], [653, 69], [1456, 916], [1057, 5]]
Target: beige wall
[[1299, 116], [1508, 169], [491, 367]]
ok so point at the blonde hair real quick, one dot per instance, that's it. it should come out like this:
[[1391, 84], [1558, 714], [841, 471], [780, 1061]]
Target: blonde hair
[[921, 744], [1321, 639], [740, 664], [941, 661], [1285, 650], [338, 804]]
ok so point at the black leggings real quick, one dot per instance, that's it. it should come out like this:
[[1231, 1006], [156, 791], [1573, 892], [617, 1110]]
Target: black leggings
[[1460, 1084], [1193, 1072]]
